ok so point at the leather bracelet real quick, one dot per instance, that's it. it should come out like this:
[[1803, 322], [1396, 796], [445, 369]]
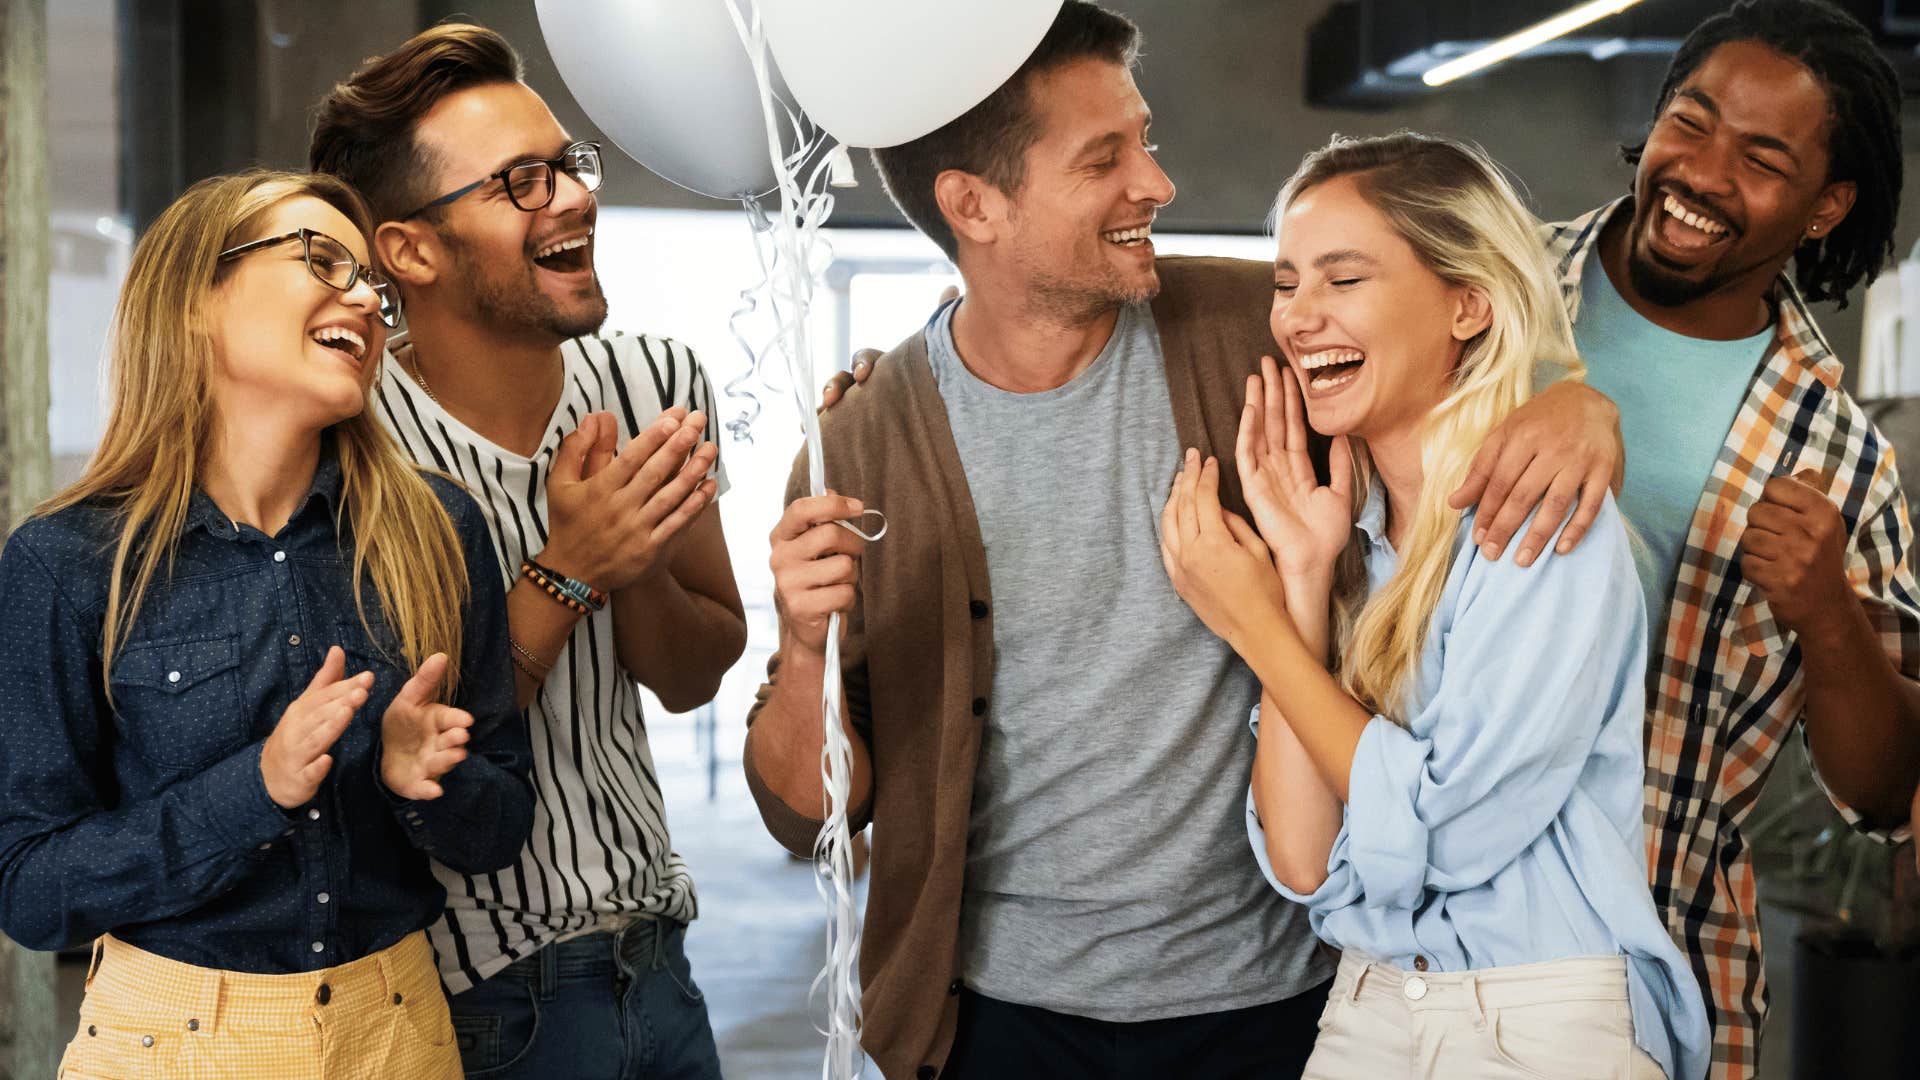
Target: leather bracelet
[[558, 590], [586, 594]]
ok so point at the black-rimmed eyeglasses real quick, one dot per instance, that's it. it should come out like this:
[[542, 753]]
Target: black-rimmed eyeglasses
[[531, 183], [330, 261]]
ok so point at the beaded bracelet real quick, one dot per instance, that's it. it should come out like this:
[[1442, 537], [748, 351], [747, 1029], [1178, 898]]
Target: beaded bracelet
[[578, 595]]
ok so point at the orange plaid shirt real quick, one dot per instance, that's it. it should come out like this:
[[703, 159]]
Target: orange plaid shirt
[[1724, 691]]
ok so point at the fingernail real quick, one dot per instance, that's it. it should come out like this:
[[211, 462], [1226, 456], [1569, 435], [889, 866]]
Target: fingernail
[[1525, 557], [1488, 551], [1563, 547], [1479, 536]]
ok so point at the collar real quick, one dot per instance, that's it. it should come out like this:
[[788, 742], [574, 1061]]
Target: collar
[[1794, 331], [1373, 514], [326, 488]]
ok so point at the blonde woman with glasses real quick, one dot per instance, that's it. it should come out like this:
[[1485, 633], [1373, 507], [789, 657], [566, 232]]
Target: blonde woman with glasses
[[1449, 769], [255, 672]]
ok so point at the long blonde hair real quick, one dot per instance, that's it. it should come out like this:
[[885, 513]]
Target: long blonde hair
[[161, 425], [1467, 225]]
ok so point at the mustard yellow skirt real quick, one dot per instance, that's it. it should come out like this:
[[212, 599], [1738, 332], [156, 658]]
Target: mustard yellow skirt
[[381, 1017]]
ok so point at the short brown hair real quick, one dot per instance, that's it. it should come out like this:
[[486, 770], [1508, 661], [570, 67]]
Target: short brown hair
[[991, 139], [364, 129]]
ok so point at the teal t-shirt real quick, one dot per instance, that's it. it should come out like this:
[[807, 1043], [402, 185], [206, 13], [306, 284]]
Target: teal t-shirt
[[1677, 397]]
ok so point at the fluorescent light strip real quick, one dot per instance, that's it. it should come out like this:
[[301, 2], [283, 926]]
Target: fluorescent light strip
[[1513, 44]]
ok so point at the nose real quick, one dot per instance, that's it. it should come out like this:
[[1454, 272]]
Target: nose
[[1296, 316], [1707, 167], [362, 297], [1150, 182], [568, 194]]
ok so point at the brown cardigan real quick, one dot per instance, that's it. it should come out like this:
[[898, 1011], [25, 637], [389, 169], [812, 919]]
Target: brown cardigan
[[918, 655]]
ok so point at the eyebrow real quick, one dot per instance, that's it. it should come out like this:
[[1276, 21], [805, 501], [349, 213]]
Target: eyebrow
[[509, 162], [1111, 138], [1766, 142], [1329, 258]]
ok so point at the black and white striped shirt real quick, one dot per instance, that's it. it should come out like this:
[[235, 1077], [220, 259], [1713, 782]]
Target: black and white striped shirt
[[599, 854]]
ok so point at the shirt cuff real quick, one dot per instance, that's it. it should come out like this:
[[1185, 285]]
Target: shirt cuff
[[1899, 834], [1387, 841], [235, 792]]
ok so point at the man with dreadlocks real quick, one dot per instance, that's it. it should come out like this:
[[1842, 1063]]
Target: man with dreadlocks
[[1779, 591]]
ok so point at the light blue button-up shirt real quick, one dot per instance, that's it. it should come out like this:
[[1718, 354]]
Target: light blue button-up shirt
[[1502, 824]]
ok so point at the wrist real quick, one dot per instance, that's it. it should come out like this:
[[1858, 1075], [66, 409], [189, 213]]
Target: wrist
[[1831, 621], [566, 563]]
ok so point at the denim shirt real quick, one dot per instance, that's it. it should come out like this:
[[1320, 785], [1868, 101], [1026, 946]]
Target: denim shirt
[[1501, 825], [149, 818]]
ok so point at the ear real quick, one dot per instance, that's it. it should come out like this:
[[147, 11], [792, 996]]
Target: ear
[[1830, 208], [409, 251], [1472, 313], [972, 207]]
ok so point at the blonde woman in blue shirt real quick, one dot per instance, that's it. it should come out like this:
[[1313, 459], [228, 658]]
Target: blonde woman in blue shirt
[[1451, 756]]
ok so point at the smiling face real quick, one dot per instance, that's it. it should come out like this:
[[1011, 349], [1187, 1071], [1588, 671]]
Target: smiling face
[[524, 273], [1078, 230], [284, 342], [1733, 178], [1371, 332]]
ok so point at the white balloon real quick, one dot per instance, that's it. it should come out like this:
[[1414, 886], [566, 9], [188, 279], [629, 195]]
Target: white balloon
[[669, 82], [884, 72]]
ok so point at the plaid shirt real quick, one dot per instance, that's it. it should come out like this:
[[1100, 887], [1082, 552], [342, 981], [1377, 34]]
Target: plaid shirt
[[1725, 689]]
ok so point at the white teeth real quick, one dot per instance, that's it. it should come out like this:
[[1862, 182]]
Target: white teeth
[[564, 245], [1330, 382], [1704, 224], [1329, 357], [357, 344], [1126, 236]]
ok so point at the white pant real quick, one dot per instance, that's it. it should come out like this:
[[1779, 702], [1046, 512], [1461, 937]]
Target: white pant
[[1560, 1020]]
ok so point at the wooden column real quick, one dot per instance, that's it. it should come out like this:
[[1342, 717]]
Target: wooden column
[[29, 1045]]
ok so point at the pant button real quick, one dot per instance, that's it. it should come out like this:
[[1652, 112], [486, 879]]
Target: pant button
[[91, 1030], [1415, 988], [396, 999], [1419, 963], [324, 994]]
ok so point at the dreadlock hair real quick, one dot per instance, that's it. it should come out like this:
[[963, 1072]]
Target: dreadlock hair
[[1863, 131]]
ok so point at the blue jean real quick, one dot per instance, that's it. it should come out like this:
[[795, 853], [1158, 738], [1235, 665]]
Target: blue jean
[[599, 1007]]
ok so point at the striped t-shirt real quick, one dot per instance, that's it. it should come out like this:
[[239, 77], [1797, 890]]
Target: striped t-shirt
[[599, 854]]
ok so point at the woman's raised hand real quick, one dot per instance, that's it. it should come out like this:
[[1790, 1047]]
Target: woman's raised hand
[[1304, 522], [1217, 562]]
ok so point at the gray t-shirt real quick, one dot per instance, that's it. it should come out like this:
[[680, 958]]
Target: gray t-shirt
[[1108, 874]]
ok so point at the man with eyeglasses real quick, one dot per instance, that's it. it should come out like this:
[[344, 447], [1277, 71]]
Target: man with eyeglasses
[[593, 459]]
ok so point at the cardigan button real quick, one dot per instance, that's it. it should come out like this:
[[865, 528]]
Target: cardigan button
[[978, 608], [979, 706], [953, 988]]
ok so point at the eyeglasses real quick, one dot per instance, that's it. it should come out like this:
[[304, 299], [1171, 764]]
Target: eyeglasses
[[531, 183], [330, 261]]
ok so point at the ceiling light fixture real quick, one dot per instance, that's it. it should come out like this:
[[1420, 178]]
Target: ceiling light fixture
[[1514, 44]]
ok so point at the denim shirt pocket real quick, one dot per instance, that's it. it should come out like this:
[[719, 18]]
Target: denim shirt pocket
[[177, 701]]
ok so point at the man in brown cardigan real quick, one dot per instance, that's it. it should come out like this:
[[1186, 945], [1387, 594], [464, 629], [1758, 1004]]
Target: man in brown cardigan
[[1053, 749]]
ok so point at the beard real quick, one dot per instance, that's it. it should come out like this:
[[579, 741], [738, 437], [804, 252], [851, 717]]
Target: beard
[[509, 298], [1656, 285]]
